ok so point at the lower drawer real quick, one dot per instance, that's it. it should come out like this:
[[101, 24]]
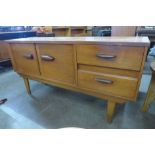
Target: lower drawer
[[115, 85]]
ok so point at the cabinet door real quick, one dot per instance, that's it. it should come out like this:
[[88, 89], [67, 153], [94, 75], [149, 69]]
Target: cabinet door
[[25, 59], [57, 62]]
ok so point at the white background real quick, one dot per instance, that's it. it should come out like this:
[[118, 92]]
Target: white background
[[77, 12]]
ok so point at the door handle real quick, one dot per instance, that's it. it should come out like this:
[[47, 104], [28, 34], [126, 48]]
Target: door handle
[[105, 56], [104, 81], [47, 58], [28, 56]]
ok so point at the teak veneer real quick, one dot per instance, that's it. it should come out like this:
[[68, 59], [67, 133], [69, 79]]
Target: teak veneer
[[106, 67]]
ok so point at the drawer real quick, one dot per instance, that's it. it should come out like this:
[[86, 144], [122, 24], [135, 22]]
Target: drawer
[[57, 62], [122, 57], [115, 85], [25, 59]]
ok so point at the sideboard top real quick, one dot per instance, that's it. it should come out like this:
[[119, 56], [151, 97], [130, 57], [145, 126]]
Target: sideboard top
[[134, 41]]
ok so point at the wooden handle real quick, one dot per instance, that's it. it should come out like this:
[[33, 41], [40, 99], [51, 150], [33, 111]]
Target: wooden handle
[[47, 58], [104, 81], [29, 56], [104, 56]]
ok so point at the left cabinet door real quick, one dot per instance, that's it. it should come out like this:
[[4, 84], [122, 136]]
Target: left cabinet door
[[25, 59]]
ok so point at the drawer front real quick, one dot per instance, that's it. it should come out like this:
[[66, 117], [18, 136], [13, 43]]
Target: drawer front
[[114, 85], [57, 62], [25, 58], [122, 57]]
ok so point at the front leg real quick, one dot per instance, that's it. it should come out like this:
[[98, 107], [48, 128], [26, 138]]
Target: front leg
[[110, 110], [27, 85]]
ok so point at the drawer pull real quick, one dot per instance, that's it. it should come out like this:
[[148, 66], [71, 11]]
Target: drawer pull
[[104, 81], [104, 56], [28, 56], [47, 58]]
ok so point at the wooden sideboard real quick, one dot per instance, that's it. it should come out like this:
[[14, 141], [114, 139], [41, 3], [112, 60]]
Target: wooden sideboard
[[106, 67]]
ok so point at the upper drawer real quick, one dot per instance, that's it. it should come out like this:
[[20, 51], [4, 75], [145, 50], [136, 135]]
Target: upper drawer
[[122, 57]]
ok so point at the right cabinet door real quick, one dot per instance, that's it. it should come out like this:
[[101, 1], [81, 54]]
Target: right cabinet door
[[57, 62]]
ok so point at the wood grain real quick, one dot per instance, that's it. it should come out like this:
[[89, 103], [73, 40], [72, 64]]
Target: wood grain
[[71, 63], [129, 41], [125, 57], [75, 88], [62, 67], [122, 86], [111, 105], [24, 65], [4, 53]]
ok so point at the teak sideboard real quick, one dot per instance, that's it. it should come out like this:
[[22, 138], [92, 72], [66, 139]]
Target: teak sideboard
[[106, 67]]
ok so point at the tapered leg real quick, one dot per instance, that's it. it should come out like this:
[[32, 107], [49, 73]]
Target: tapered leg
[[27, 85], [150, 95], [110, 110]]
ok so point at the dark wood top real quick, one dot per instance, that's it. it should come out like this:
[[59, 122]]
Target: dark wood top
[[133, 41]]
